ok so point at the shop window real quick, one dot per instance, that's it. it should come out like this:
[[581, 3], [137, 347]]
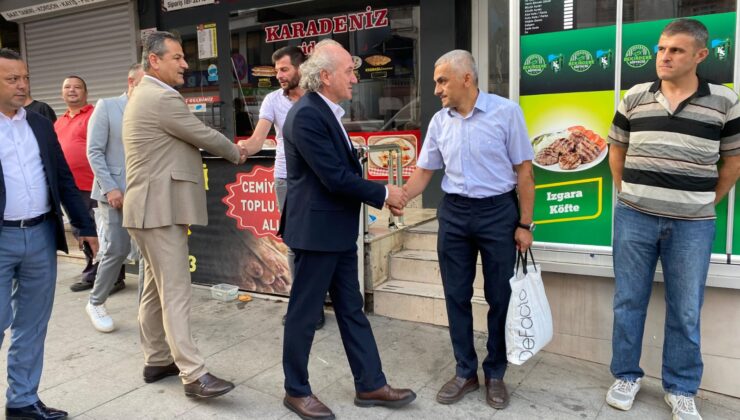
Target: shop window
[[498, 47], [202, 76], [640, 11], [386, 55]]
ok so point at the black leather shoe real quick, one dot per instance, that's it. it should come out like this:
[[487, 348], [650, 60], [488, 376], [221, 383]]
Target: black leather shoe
[[208, 386], [155, 373], [35, 411], [81, 286], [117, 287]]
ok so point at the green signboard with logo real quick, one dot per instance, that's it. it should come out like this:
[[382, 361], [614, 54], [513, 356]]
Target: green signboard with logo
[[567, 92], [567, 95]]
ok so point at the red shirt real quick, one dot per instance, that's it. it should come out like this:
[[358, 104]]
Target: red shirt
[[72, 133]]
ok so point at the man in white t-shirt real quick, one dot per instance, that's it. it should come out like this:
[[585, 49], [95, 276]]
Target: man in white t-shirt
[[273, 110]]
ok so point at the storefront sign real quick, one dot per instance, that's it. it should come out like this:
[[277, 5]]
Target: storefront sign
[[170, 5], [202, 99], [251, 202], [352, 22], [44, 8], [238, 245], [207, 41]]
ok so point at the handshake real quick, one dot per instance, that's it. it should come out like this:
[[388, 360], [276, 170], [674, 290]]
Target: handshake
[[397, 199], [243, 151]]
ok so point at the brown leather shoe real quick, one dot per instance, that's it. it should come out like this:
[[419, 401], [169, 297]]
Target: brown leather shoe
[[456, 388], [496, 394], [155, 373], [308, 408], [385, 396], [208, 386]]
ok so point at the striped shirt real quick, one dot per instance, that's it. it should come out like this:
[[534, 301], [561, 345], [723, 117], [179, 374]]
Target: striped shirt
[[670, 168]]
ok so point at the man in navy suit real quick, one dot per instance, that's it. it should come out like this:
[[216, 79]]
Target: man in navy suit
[[320, 224], [36, 181]]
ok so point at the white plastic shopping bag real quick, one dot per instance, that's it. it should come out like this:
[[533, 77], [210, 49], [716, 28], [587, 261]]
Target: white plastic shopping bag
[[528, 320]]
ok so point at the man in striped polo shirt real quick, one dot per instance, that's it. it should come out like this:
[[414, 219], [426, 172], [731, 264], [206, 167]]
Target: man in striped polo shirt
[[666, 140]]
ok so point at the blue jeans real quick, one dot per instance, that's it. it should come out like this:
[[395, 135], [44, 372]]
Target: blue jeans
[[28, 271], [684, 248]]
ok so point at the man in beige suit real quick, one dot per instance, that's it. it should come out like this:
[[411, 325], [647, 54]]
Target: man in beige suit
[[165, 193]]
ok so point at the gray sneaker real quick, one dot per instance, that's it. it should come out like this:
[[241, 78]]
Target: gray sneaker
[[622, 393], [683, 407]]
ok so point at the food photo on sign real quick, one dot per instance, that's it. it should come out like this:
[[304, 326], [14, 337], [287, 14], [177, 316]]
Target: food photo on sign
[[408, 142], [240, 244]]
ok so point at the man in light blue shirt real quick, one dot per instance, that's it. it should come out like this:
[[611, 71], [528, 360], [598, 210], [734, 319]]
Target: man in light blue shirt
[[481, 142]]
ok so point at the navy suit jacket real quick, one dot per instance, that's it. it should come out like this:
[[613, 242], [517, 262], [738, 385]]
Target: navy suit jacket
[[62, 188], [325, 183]]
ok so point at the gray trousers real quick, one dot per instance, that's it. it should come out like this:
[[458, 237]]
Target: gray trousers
[[281, 190], [113, 254]]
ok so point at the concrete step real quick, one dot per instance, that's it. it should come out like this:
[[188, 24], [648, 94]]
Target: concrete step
[[423, 267], [422, 237], [422, 302]]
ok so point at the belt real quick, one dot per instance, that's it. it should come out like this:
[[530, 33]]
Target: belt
[[26, 223], [461, 199]]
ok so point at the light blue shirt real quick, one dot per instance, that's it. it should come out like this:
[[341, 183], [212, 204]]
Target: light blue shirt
[[478, 151]]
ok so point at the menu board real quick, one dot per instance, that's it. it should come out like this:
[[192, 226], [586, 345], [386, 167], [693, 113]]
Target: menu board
[[567, 95], [540, 16]]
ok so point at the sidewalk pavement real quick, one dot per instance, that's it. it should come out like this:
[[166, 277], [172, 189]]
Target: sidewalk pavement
[[98, 376]]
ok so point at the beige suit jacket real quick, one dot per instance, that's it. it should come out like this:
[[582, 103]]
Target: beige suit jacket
[[164, 169]]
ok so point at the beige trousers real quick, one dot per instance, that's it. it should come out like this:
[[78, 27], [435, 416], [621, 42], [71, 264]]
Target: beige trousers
[[164, 311]]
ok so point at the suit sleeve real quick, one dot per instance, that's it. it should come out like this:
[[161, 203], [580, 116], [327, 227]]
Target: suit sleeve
[[316, 145], [97, 143], [177, 121], [69, 195]]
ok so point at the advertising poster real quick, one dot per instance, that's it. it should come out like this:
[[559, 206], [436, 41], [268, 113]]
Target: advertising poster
[[567, 95], [639, 49], [239, 246], [377, 165]]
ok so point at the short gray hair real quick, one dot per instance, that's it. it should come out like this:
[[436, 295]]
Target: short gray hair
[[317, 61], [153, 43], [461, 61], [691, 27], [135, 68]]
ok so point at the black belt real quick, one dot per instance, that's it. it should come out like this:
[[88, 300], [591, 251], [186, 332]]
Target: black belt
[[26, 223], [461, 199]]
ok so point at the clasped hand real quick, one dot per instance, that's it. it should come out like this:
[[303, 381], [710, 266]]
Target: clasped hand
[[397, 199]]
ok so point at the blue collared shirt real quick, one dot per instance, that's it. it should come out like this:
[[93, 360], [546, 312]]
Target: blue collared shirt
[[478, 151]]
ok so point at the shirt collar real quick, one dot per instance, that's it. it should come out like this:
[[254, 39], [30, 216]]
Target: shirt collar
[[20, 115], [702, 90], [83, 110], [335, 108], [161, 83], [480, 104]]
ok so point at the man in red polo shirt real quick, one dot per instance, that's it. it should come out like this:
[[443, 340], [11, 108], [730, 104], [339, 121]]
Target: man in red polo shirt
[[71, 128]]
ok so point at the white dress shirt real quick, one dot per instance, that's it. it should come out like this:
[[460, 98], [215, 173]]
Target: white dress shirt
[[26, 188], [163, 84]]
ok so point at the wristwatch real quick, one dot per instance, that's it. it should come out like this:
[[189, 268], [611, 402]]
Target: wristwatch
[[529, 227]]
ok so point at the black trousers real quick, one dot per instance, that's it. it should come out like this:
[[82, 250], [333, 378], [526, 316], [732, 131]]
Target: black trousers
[[468, 226], [315, 274]]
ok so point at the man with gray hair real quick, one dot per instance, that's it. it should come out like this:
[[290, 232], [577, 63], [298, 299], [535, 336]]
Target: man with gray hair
[[481, 142], [320, 222], [105, 153], [165, 193]]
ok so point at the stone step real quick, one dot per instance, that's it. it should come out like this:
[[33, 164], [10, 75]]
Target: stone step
[[423, 267], [422, 302], [422, 237]]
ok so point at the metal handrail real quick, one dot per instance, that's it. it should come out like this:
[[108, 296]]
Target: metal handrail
[[395, 177]]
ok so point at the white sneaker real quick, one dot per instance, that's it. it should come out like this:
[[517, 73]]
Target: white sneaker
[[99, 317], [683, 407], [622, 393]]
